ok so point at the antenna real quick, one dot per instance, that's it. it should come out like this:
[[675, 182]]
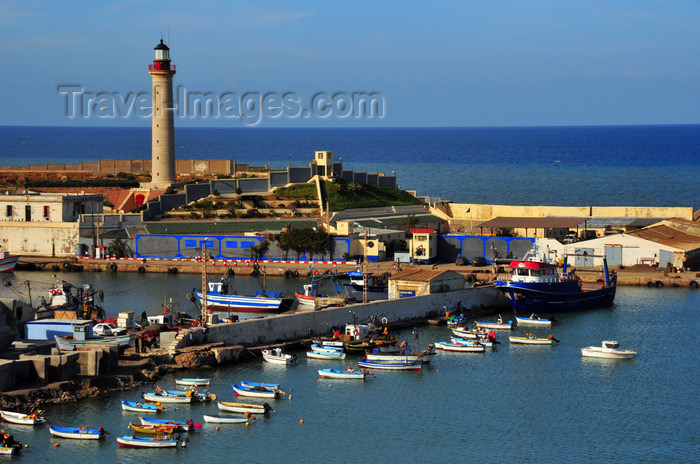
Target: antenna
[[168, 33]]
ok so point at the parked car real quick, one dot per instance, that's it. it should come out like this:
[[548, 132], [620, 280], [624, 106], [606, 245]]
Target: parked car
[[478, 261], [106, 329]]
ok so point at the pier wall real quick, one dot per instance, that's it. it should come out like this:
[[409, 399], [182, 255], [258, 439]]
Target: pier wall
[[304, 325]]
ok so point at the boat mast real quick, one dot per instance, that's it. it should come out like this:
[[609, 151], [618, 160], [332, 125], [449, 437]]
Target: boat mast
[[202, 316], [365, 280]]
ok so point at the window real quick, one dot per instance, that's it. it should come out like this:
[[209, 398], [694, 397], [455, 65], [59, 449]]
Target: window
[[27, 213], [47, 212], [8, 212]]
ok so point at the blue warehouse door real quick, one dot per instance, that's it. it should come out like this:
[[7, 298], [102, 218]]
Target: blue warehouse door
[[613, 254]]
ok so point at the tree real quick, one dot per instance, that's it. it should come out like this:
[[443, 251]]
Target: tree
[[119, 248], [259, 250]]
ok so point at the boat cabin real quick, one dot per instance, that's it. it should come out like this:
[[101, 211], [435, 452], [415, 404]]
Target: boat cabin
[[357, 331], [532, 271], [219, 288], [611, 345]]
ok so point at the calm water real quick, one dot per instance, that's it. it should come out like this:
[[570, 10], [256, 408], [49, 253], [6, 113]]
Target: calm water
[[517, 404], [621, 165]]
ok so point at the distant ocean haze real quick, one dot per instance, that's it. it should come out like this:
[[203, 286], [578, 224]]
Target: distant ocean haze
[[616, 165]]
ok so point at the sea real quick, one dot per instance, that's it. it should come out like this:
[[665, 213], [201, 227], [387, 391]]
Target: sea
[[515, 404], [577, 166]]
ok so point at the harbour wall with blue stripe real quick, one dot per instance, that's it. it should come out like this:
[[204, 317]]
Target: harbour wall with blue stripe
[[177, 246], [450, 247]]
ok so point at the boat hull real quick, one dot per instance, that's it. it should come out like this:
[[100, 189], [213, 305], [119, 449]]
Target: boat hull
[[255, 393], [189, 382], [153, 398], [154, 429], [530, 341], [339, 355], [555, 297], [74, 345], [528, 321], [140, 407], [338, 374], [22, 419], [8, 450], [181, 426], [76, 433], [224, 420], [7, 264], [139, 442], [243, 408], [245, 304], [285, 359], [458, 347], [594, 352], [403, 366]]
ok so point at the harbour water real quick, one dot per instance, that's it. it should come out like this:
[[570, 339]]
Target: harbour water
[[515, 404]]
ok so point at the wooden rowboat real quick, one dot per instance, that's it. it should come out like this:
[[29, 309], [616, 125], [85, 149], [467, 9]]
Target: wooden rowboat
[[141, 407], [532, 320], [225, 420], [7, 450], [338, 374], [154, 429], [325, 355], [531, 340], [461, 347], [145, 442], [197, 382], [393, 366], [257, 391], [24, 419], [260, 384], [156, 398], [77, 433], [495, 325], [181, 426], [243, 408], [277, 357]]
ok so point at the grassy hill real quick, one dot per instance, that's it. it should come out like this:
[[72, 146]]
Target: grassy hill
[[346, 195]]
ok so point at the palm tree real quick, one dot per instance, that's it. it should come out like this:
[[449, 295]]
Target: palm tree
[[119, 248]]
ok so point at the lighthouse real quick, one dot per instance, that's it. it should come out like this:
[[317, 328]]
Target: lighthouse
[[162, 126]]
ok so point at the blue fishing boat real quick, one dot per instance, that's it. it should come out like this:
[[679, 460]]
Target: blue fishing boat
[[220, 297], [141, 407], [536, 286], [77, 433]]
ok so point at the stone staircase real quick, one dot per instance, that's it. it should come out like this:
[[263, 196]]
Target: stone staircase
[[173, 348]]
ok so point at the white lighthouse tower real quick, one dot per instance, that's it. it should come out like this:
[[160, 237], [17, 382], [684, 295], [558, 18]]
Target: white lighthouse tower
[[162, 125]]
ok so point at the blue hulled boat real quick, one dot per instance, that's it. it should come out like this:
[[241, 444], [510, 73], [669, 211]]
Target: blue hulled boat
[[536, 286]]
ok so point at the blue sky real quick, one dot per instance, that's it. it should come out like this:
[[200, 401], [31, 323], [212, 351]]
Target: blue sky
[[461, 63]]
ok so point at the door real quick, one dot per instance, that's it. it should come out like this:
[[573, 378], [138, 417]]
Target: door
[[27, 213], [613, 254], [665, 257], [584, 257]]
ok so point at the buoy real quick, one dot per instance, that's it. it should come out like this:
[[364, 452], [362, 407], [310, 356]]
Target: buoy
[[56, 445], [301, 422], [438, 370], [318, 381], [329, 385], [26, 445], [217, 428], [246, 424], [177, 409], [127, 361]]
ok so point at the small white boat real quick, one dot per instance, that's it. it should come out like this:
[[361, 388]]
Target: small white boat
[[338, 374], [325, 355], [392, 366], [243, 408], [257, 392], [461, 347], [24, 419], [77, 433], [609, 349], [466, 341], [277, 357], [533, 320], [260, 384], [424, 356], [154, 397], [193, 382], [466, 333], [500, 325], [147, 442], [326, 348], [8, 450], [224, 420], [530, 339]]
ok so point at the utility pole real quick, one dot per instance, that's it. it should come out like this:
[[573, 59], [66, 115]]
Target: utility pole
[[204, 282], [365, 279]]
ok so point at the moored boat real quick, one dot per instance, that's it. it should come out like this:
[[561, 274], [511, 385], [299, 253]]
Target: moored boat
[[196, 396], [8, 450], [377, 287], [23, 419], [260, 384], [70, 344], [154, 429], [393, 366], [146, 442], [535, 285], [192, 382], [333, 349], [182, 426], [7, 261], [609, 349], [483, 341], [466, 333], [340, 374], [326, 355], [360, 346], [257, 391], [141, 407], [425, 355], [533, 320], [155, 397], [225, 420], [276, 356], [77, 433], [475, 347], [220, 297], [243, 408], [530, 339], [498, 325]]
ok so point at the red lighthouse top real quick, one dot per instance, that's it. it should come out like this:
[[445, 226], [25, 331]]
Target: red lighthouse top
[[161, 61]]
